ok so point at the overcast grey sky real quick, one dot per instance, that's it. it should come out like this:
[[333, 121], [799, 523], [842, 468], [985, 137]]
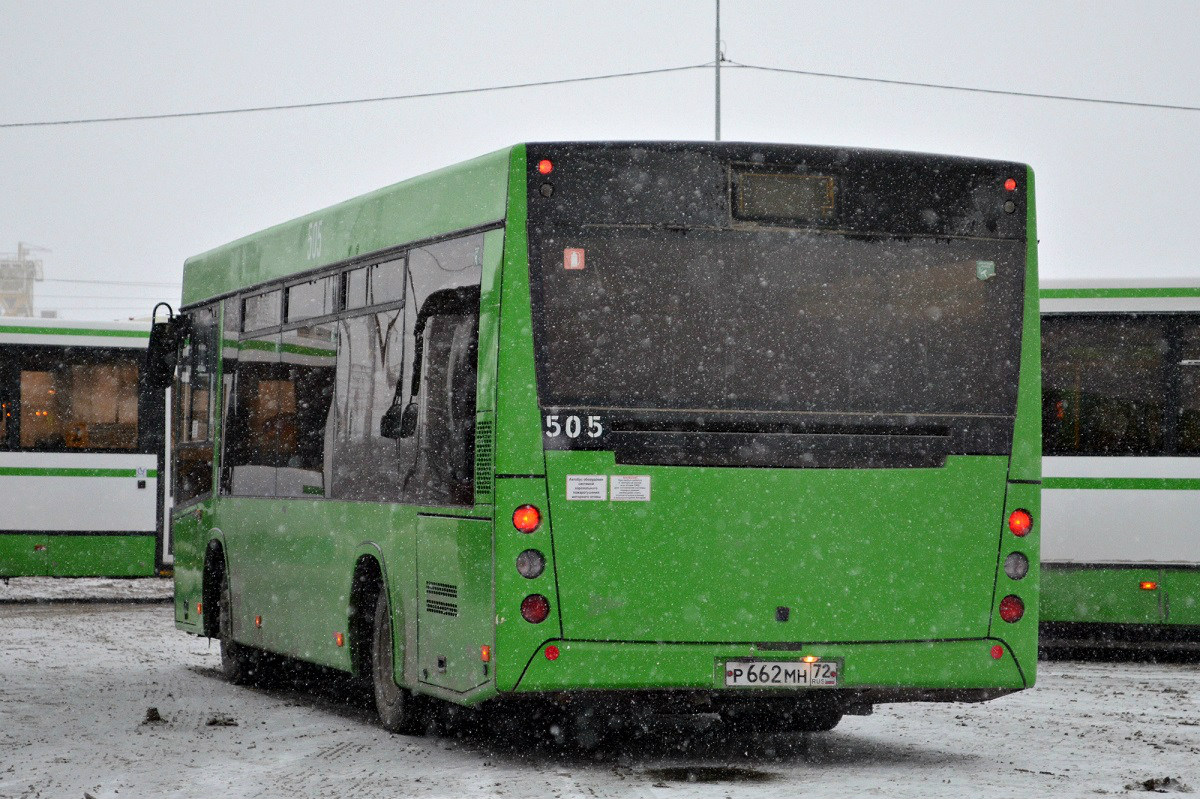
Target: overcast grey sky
[[1117, 186]]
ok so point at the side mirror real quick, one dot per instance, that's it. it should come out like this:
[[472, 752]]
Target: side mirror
[[162, 352], [399, 423]]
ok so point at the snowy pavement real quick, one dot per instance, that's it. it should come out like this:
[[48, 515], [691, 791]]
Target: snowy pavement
[[76, 681]]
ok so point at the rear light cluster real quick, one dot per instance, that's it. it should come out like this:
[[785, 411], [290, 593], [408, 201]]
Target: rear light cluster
[[535, 608], [527, 518], [1012, 608], [1016, 566]]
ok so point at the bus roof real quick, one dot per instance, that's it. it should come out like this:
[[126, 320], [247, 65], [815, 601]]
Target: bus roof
[[466, 195]]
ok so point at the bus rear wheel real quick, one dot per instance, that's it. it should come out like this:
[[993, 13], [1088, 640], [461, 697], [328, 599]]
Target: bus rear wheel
[[400, 710], [235, 659]]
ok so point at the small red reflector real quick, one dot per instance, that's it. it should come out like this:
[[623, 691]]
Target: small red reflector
[[1020, 522], [199, 608], [339, 639], [545, 166], [1148, 585], [552, 652], [485, 654], [535, 608], [1012, 608], [258, 621], [527, 518], [1010, 185], [997, 652]]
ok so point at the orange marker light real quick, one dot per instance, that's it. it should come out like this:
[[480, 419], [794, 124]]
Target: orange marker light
[[545, 166], [258, 621], [485, 654], [199, 608], [1148, 585], [339, 639]]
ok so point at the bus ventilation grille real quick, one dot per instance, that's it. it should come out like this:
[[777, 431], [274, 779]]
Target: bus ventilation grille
[[483, 460], [441, 598]]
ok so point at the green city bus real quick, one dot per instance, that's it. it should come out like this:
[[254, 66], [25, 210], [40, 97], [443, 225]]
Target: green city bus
[[745, 429]]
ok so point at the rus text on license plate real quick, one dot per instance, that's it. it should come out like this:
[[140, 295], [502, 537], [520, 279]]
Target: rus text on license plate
[[779, 673]]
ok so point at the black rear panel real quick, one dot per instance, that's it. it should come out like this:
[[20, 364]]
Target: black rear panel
[[750, 305]]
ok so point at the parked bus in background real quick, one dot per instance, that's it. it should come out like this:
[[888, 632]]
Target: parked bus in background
[[1121, 427], [734, 428], [81, 448]]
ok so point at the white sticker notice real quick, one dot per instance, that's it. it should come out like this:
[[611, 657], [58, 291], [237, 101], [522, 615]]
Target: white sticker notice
[[587, 486], [630, 488]]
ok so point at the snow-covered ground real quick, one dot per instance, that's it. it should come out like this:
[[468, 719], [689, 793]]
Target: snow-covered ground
[[76, 681], [87, 589]]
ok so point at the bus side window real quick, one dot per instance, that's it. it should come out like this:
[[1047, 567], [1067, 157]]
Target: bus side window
[[194, 408], [444, 471]]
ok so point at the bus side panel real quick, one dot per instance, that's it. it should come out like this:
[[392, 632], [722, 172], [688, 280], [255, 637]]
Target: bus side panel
[[1181, 599], [107, 555], [191, 530], [518, 421], [1026, 463], [1108, 595], [24, 555]]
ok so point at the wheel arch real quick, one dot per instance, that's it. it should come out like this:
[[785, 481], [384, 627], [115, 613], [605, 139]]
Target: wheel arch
[[368, 580], [215, 566]]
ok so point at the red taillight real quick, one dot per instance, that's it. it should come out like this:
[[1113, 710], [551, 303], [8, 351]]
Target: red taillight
[[527, 518], [1010, 185], [545, 166], [552, 652], [1012, 608], [535, 608], [1020, 522]]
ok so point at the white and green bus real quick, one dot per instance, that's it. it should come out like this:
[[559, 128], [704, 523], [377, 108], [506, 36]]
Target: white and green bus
[[1121, 466], [82, 444]]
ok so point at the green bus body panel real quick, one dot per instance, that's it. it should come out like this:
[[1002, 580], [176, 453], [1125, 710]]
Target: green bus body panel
[[879, 562], [1027, 432], [856, 554], [596, 665], [1112, 595], [1119, 293], [458, 197], [109, 555]]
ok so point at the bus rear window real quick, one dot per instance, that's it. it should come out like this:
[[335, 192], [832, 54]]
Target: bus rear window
[[781, 321]]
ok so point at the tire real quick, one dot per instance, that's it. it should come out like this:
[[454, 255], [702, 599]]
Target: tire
[[236, 661], [400, 711]]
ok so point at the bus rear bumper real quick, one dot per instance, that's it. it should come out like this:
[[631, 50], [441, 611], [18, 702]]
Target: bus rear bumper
[[960, 670]]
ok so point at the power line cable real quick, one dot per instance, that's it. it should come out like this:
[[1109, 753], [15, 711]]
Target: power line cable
[[356, 101], [975, 89]]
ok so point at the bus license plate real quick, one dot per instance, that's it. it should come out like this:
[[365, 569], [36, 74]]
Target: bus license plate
[[780, 674]]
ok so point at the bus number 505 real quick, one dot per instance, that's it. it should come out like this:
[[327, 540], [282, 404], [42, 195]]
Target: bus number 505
[[572, 426]]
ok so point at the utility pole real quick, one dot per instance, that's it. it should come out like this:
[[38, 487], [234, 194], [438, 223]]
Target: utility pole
[[717, 72]]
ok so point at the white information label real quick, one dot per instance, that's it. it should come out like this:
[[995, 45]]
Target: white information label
[[630, 488], [587, 486]]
